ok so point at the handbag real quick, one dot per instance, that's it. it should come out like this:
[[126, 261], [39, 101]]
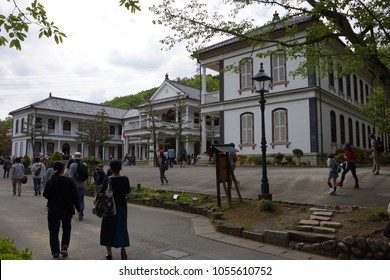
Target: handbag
[[23, 180], [104, 203]]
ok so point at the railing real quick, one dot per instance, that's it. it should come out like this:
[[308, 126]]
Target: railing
[[210, 97]]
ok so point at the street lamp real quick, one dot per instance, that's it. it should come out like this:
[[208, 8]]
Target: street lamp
[[261, 81]]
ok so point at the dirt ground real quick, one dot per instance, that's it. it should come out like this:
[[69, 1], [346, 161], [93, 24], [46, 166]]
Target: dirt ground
[[359, 222]]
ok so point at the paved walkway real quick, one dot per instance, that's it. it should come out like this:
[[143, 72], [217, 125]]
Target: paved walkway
[[304, 185], [293, 184]]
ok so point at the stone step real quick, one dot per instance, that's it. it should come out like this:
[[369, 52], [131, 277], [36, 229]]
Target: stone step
[[323, 213], [324, 230], [305, 228], [309, 223], [310, 236], [317, 209], [330, 224], [319, 218]]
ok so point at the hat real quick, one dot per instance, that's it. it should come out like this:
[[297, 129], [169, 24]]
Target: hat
[[77, 155], [161, 152], [100, 165]]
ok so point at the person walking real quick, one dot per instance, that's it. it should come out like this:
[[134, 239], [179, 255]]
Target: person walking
[[171, 156], [113, 230], [374, 155], [38, 170], [162, 166], [62, 200], [77, 172], [7, 166], [98, 176], [332, 173], [233, 162], [17, 173], [349, 165], [182, 156]]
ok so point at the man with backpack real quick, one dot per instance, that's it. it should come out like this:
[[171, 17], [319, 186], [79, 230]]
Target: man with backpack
[[78, 171], [38, 170], [376, 149]]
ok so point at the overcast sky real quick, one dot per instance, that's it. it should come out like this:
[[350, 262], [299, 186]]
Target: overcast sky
[[108, 52]]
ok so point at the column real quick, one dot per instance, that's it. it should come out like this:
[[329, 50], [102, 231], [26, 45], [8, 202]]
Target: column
[[204, 134]]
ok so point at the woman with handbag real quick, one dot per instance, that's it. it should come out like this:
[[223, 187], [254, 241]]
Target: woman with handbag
[[113, 231], [62, 198]]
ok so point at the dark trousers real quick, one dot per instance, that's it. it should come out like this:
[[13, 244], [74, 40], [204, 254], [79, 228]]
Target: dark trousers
[[56, 217], [6, 173], [350, 167], [81, 192]]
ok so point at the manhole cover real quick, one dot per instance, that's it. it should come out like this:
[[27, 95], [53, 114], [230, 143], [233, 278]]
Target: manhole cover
[[174, 254]]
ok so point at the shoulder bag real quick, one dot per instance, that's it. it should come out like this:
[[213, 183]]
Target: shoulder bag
[[104, 202]]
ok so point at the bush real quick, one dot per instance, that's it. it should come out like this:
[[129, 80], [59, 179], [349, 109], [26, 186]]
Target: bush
[[298, 153], [278, 157], [26, 161], [266, 205], [258, 160], [9, 252], [53, 157]]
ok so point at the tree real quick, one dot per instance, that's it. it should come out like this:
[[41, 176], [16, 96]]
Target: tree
[[5, 138], [94, 132], [362, 25], [152, 120], [15, 25], [377, 111], [36, 129]]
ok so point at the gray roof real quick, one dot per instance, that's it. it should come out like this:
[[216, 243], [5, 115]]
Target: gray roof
[[191, 92], [274, 26], [75, 107]]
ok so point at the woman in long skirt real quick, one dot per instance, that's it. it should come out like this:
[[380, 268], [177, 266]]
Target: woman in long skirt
[[113, 232]]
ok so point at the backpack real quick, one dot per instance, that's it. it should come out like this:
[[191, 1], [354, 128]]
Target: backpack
[[379, 147], [38, 171], [82, 171]]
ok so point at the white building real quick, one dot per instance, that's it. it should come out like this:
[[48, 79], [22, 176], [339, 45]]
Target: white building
[[62, 118], [316, 115]]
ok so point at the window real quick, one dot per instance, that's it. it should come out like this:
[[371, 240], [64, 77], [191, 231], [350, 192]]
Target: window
[[279, 126], [348, 81], [350, 131], [331, 73], [364, 135], [66, 126], [342, 129], [196, 118], [340, 81], [22, 125], [17, 126], [247, 129], [112, 130], [357, 128], [37, 148], [50, 148], [278, 66], [333, 130], [38, 123], [355, 89], [51, 124], [366, 93], [361, 92], [246, 74]]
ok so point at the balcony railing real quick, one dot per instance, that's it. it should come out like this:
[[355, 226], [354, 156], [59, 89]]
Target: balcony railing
[[210, 97]]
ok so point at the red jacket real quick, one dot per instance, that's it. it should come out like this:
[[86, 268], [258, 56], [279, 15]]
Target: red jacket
[[349, 155]]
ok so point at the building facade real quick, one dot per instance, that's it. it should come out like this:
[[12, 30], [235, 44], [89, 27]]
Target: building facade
[[316, 114]]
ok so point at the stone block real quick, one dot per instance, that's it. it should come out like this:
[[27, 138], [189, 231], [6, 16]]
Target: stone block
[[276, 237]]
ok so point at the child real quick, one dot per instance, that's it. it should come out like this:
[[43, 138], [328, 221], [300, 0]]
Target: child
[[332, 174]]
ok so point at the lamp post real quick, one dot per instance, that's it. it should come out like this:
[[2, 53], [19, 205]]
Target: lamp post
[[261, 81]]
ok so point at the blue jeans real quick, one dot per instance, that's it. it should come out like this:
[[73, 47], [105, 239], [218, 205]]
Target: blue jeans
[[37, 185], [55, 217], [81, 192]]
